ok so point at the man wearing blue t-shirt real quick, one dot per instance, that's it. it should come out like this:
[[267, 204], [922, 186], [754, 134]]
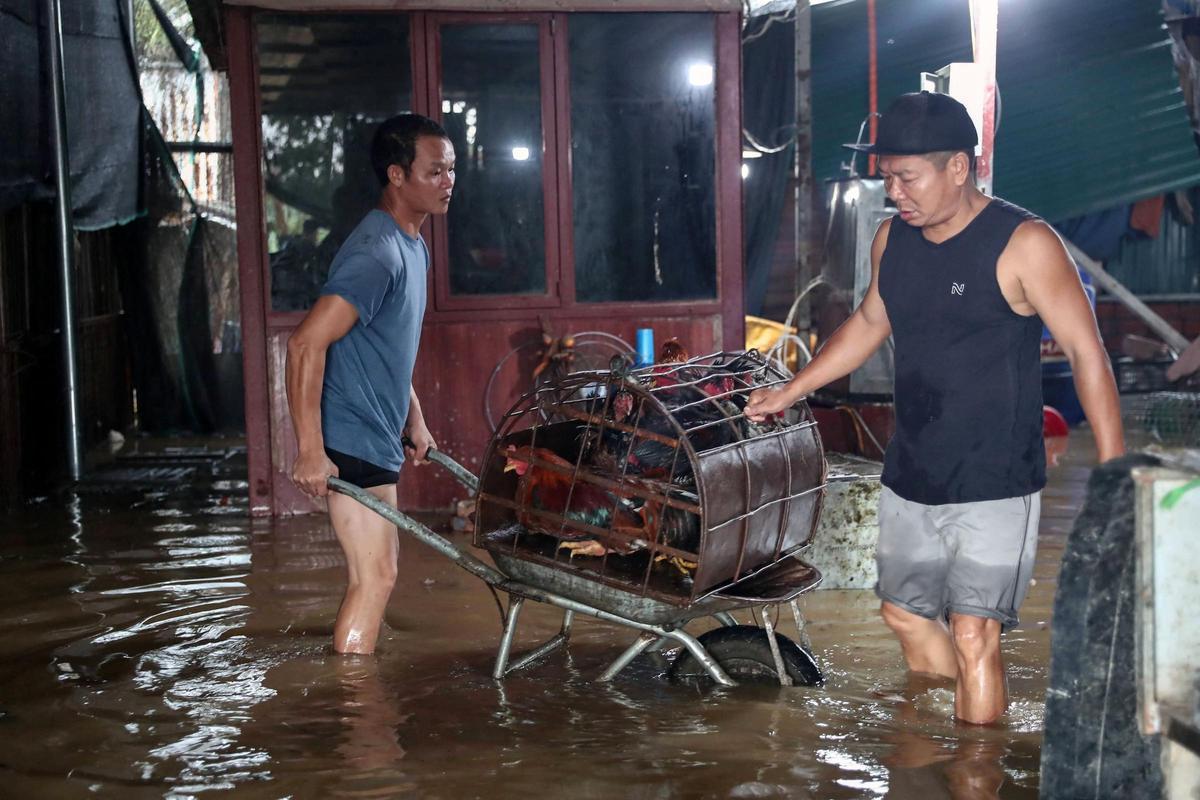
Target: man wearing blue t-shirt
[[350, 363]]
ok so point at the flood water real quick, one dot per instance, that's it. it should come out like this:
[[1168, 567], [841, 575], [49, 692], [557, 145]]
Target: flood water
[[160, 643]]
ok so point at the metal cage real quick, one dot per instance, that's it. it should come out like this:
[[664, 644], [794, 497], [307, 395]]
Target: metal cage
[[719, 498]]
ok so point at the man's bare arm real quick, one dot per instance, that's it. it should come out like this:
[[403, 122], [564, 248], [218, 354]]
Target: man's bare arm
[[330, 319], [847, 349], [416, 430], [1050, 284]]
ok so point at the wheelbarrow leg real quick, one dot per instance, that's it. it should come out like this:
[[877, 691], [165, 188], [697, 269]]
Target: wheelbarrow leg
[[641, 643], [801, 627], [700, 654], [558, 640], [784, 678], [658, 644], [723, 617], [510, 628]]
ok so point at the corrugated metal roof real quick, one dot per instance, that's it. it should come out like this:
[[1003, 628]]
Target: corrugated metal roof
[[1166, 264], [1092, 114], [914, 36]]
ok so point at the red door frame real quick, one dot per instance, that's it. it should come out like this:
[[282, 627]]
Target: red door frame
[[251, 246]]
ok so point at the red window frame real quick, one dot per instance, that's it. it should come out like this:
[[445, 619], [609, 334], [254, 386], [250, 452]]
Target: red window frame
[[559, 299], [444, 299]]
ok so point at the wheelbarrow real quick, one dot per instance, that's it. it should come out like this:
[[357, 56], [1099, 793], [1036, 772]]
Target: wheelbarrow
[[724, 655]]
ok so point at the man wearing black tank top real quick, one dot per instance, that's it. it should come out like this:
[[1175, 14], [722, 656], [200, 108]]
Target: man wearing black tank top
[[963, 283]]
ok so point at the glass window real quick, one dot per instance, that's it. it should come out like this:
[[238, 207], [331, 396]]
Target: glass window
[[492, 109], [326, 83], [643, 153]]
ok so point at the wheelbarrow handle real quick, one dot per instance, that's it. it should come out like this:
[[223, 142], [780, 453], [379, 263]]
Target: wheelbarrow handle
[[460, 473], [418, 531]]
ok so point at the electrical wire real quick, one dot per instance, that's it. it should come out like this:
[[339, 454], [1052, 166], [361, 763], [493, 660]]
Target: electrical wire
[[755, 144], [786, 16], [860, 428]]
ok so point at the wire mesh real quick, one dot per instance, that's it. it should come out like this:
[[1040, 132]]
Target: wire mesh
[[653, 479], [1166, 411], [1172, 418]]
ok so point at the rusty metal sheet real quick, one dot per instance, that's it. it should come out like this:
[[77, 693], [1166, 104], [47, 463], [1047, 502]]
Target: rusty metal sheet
[[759, 490]]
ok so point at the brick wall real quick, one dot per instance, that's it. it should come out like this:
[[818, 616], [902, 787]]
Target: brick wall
[[1116, 320]]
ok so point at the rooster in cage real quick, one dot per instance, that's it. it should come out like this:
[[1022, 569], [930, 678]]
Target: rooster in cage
[[691, 404], [632, 522], [728, 382], [554, 491]]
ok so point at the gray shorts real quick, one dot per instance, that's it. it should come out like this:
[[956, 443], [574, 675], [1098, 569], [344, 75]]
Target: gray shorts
[[962, 558]]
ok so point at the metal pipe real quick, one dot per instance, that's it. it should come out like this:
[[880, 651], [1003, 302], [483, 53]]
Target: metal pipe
[[456, 470], [872, 78], [658, 645], [440, 543], [533, 655], [643, 641], [200, 147], [803, 174], [747, 390], [1108, 283], [52, 46], [688, 641], [726, 619], [784, 678], [700, 654], [510, 628], [801, 626], [984, 17]]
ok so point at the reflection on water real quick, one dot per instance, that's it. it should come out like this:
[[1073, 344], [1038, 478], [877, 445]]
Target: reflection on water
[[162, 644]]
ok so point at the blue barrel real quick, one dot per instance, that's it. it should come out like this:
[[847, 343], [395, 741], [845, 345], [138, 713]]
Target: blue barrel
[[645, 346]]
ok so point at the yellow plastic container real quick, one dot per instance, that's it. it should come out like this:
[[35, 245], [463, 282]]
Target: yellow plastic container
[[762, 334]]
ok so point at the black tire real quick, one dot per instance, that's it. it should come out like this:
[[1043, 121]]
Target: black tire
[[745, 654], [1092, 748]]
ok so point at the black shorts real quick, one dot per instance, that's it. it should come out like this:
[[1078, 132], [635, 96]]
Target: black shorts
[[362, 474]]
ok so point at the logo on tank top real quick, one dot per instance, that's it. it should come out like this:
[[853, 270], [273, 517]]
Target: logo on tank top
[[958, 288]]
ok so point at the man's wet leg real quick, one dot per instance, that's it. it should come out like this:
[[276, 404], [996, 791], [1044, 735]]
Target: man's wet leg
[[926, 642], [981, 694], [370, 545]]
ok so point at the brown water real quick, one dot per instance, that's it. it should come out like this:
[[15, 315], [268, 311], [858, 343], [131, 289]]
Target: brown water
[[162, 644]]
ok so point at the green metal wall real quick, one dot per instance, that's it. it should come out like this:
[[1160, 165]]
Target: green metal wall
[[914, 36], [1091, 116], [1166, 264]]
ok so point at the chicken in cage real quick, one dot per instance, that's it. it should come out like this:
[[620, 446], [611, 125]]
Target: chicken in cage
[[652, 479]]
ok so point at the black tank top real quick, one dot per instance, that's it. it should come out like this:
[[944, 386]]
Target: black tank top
[[968, 368]]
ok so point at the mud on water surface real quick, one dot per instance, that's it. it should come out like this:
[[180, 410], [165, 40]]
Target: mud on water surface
[[157, 642]]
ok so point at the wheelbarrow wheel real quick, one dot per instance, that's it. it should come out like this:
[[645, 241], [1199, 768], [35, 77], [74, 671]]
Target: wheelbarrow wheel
[[744, 652]]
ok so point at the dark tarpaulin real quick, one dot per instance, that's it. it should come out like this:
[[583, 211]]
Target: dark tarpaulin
[[103, 111], [1098, 234], [769, 116], [180, 299]]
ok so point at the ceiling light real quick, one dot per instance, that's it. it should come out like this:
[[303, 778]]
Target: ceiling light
[[700, 74]]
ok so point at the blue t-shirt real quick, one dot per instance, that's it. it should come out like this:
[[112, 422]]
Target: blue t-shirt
[[368, 372]]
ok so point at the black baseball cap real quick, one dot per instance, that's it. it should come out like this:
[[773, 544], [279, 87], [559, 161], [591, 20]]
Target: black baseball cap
[[922, 122]]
